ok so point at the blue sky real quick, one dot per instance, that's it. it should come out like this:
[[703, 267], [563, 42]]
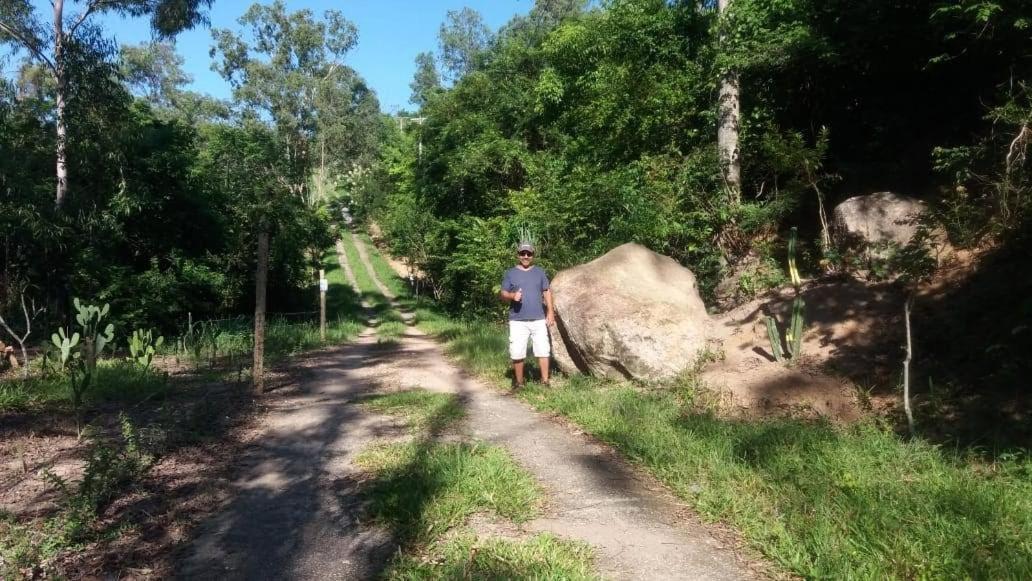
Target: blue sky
[[391, 33]]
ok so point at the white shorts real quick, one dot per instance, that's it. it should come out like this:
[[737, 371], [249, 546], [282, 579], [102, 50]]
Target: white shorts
[[536, 331]]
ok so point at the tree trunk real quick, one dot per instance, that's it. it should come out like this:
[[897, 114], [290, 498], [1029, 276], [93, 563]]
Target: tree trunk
[[62, 88], [261, 279], [728, 124]]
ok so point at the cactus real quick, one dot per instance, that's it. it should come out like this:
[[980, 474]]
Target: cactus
[[79, 352], [796, 325], [775, 339], [794, 335], [142, 347], [65, 344], [793, 272]]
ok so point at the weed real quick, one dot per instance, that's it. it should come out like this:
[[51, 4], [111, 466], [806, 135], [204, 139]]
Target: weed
[[421, 409], [423, 489], [467, 557]]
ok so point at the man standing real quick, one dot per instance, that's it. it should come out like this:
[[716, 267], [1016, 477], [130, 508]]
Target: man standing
[[525, 287]]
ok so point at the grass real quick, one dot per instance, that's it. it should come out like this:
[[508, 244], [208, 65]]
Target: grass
[[422, 410], [365, 282], [423, 489], [821, 501], [230, 342], [390, 325], [467, 557], [116, 381], [387, 275]]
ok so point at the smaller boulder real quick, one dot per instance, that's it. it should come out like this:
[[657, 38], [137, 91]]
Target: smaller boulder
[[870, 230], [877, 220]]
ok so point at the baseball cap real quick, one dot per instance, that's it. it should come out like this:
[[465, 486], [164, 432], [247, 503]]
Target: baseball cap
[[525, 246]]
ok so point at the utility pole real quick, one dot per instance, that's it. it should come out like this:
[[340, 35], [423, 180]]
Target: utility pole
[[420, 120]]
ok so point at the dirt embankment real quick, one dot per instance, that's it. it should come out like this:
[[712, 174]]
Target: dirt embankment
[[853, 336]]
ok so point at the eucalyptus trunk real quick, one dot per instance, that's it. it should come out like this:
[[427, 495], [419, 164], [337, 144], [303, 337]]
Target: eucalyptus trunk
[[729, 122], [61, 74]]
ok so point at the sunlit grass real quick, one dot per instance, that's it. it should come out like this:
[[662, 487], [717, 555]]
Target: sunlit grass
[[115, 380], [421, 409], [543, 556], [387, 275], [820, 500]]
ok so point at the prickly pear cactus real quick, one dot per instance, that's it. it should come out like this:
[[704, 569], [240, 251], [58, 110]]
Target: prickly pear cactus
[[65, 344], [143, 346]]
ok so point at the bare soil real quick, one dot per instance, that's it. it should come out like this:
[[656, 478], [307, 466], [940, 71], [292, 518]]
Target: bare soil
[[854, 336]]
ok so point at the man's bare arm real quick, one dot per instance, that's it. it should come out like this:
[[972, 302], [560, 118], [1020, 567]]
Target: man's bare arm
[[550, 315]]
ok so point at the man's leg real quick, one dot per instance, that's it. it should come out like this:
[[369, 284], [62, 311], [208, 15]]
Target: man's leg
[[543, 362], [517, 369], [519, 332]]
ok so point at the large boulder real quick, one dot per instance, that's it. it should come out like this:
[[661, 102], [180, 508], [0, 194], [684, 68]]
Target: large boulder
[[630, 313], [875, 222]]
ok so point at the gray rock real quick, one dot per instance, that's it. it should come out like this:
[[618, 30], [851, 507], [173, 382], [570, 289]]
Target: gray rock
[[630, 313], [876, 222]]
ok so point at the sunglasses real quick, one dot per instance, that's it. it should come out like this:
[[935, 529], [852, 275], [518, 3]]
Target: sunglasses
[[525, 253]]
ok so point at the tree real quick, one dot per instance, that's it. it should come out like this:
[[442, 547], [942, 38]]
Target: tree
[[292, 74], [155, 71], [463, 39], [729, 119], [426, 81], [292, 60], [51, 47]]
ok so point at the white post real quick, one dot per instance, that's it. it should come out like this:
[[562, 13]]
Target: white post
[[323, 287]]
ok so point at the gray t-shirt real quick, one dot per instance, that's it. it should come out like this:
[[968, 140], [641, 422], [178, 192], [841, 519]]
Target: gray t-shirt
[[534, 282]]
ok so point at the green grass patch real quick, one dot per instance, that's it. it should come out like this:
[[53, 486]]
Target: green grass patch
[[481, 346], [467, 557], [342, 302], [391, 324], [425, 488], [390, 331], [362, 277], [116, 381], [421, 409], [822, 501], [387, 275]]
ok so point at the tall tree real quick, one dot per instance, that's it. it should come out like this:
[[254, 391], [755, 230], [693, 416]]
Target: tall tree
[[729, 118], [463, 39], [154, 70], [292, 60], [426, 81], [50, 46], [291, 73]]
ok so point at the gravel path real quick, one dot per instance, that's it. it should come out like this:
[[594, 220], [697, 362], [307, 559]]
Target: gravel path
[[296, 513]]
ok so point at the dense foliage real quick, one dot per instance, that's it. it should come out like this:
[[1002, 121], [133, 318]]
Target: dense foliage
[[167, 186], [598, 127]]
